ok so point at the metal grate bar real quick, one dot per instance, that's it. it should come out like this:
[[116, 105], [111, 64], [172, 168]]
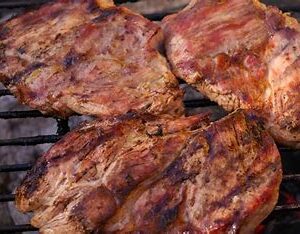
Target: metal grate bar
[[21, 114], [28, 166], [29, 3], [25, 141], [7, 197], [16, 167], [288, 207], [288, 150], [17, 228], [199, 103], [291, 177], [4, 92], [16, 4], [37, 114], [11, 197]]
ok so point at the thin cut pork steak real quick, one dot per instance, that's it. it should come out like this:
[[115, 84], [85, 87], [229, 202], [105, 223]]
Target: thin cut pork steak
[[241, 54], [146, 175], [76, 56]]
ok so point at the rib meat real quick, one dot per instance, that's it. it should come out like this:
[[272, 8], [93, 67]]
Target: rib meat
[[143, 174], [74, 56], [241, 54]]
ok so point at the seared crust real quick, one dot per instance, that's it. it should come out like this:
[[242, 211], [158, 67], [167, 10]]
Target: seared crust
[[139, 174], [241, 54], [72, 56]]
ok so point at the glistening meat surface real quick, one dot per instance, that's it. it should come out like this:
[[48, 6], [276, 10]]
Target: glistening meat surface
[[143, 174], [241, 54], [76, 56]]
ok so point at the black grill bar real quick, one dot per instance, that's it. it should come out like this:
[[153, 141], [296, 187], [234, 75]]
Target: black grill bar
[[25, 141], [28, 3], [32, 114], [17, 4], [32, 3], [4, 92], [288, 150], [291, 177], [16, 167], [287, 207], [7, 197], [17, 228], [199, 103], [21, 114], [11, 197]]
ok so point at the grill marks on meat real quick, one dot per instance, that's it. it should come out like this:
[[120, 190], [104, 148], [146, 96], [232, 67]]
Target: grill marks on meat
[[241, 54], [73, 56], [143, 174]]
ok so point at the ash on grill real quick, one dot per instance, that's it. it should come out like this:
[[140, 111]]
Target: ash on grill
[[25, 134]]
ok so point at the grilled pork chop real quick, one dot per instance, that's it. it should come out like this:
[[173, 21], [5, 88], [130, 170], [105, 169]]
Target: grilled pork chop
[[241, 54], [74, 56], [139, 174]]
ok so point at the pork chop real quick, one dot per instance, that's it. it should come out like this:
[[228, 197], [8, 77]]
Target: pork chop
[[147, 175], [76, 56], [241, 54]]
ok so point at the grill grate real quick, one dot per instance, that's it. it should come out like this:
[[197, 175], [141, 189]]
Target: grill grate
[[63, 124]]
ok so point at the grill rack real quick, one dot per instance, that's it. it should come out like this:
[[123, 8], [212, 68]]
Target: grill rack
[[63, 124]]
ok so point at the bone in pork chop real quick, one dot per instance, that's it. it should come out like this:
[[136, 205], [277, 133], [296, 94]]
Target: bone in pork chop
[[241, 54], [144, 175], [74, 56]]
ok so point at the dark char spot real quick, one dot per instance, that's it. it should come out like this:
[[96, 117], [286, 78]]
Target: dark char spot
[[28, 70], [70, 59], [21, 50], [175, 171], [106, 14], [167, 217], [2, 53], [57, 13], [92, 6], [4, 31], [32, 180]]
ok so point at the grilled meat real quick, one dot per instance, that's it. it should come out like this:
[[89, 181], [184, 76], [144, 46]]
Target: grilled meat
[[140, 174], [241, 54], [74, 56]]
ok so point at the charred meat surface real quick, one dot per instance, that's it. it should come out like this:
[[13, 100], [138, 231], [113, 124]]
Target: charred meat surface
[[143, 174], [76, 56], [241, 54]]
